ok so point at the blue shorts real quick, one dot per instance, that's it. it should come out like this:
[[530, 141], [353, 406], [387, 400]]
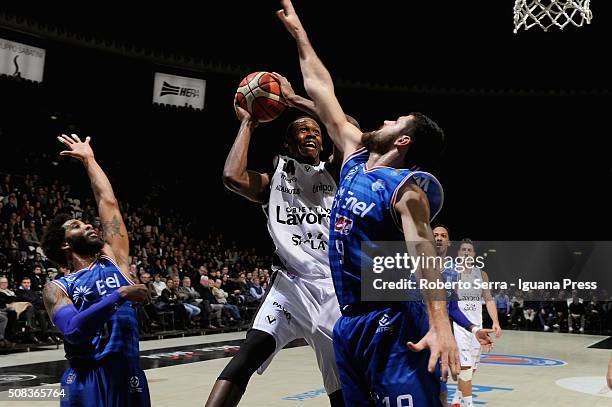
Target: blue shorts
[[112, 382], [376, 367]]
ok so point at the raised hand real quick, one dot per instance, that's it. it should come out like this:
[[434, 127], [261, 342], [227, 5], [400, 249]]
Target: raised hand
[[290, 19], [81, 150]]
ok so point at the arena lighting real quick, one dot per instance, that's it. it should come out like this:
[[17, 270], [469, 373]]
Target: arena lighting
[[492, 251], [577, 253]]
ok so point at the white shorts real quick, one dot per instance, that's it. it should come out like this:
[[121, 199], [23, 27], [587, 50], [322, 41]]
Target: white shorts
[[469, 347], [297, 308]]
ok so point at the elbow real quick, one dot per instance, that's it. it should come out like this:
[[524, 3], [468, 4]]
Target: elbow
[[231, 181], [109, 202], [75, 337]]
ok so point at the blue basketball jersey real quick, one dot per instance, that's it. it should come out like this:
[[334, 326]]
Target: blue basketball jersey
[[364, 213], [120, 333]]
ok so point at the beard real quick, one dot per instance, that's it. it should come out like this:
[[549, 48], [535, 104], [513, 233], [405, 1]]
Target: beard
[[378, 143], [83, 245]]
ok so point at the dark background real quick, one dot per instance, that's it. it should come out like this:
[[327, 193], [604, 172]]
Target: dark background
[[526, 114]]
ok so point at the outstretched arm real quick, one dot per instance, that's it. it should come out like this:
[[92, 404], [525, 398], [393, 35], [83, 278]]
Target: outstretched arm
[[319, 85], [236, 177], [413, 208], [115, 233]]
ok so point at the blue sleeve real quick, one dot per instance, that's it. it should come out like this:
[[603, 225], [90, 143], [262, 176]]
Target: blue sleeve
[[457, 316], [79, 327]]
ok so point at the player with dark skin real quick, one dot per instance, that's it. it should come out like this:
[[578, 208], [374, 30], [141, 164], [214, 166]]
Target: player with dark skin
[[82, 244], [303, 143]]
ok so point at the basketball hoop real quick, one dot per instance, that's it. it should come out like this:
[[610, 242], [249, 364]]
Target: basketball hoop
[[551, 13]]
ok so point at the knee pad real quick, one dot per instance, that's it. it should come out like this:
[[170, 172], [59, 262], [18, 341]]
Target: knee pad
[[255, 350], [466, 375]]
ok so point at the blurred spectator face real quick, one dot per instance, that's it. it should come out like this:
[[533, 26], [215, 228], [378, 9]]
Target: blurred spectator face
[[202, 270], [170, 284], [225, 270], [176, 281], [157, 278], [145, 278], [204, 281], [133, 269], [256, 281], [249, 276], [218, 283], [3, 283], [37, 270], [186, 282], [26, 283]]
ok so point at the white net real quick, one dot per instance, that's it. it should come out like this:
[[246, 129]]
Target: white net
[[551, 13]]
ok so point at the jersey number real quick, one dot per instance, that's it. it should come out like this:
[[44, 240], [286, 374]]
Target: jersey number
[[289, 167], [404, 400]]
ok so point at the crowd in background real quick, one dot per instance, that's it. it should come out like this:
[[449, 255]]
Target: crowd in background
[[195, 278]]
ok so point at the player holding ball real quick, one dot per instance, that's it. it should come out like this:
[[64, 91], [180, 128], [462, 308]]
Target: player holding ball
[[297, 196]]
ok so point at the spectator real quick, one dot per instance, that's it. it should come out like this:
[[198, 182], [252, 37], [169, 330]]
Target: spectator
[[4, 344], [19, 309], [190, 299], [207, 295], [170, 301], [37, 278], [158, 284], [26, 294], [502, 302], [576, 311], [221, 297], [256, 291]]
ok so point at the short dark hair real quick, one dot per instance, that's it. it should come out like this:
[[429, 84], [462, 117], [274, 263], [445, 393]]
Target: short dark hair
[[440, 225], [467, 241], [291, 126], [428, 140], [54, 238]]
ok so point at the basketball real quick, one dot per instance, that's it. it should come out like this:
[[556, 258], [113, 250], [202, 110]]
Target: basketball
[[260, 94]]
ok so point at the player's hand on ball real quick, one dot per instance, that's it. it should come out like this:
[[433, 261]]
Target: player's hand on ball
[[136, 293], [81, 150], [286, 88], [244, 116], [443, 347], [482, 335]]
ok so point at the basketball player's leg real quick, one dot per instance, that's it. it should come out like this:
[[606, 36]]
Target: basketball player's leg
[[325, 311], [233, 380], [464, 379], [269, 333]]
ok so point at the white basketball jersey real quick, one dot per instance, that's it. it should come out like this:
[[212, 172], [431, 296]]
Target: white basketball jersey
[[470, 300], [301, 197]]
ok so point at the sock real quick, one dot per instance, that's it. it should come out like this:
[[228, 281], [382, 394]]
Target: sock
[[468, 401], [457, 397]]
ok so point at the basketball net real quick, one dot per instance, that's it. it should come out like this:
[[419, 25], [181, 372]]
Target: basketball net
[[551, 13]]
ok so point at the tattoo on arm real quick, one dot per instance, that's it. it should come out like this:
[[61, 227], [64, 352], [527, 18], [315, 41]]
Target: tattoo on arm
[[54, 298], [113, 227]]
